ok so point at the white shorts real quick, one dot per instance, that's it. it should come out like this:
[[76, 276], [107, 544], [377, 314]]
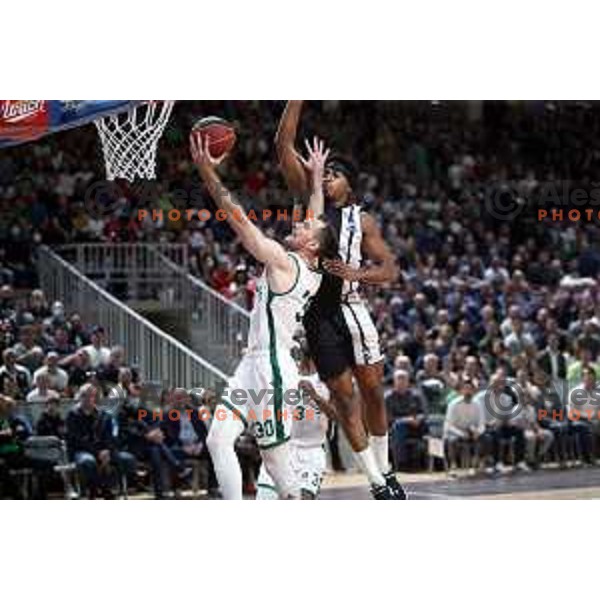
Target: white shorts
[[365, 338], [308, 465], [264, 394]]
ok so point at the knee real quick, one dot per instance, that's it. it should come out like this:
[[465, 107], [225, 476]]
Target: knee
[[86, 462], [400, 427], [153, 451], [127, 461]]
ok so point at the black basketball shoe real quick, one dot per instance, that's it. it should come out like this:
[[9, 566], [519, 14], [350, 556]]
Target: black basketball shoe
[[382, 492], [392, 483]]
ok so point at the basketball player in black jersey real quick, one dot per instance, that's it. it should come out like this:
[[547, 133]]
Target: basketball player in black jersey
[[340, 332]]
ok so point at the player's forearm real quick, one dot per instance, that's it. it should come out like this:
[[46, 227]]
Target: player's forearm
[[285, 140], [253, 240], [288, 126], [223, 198], [316, 204], [386, 272]]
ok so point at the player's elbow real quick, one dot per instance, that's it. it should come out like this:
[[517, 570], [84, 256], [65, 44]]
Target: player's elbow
[[391, 272], [284, 146]]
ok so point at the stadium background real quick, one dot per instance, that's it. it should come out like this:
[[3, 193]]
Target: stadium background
[[455, 186]]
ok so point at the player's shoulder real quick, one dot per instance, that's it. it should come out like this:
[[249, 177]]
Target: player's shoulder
[[368, 221]]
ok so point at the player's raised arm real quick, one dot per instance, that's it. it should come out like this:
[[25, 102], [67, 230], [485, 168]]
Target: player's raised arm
[[285, 143], [375, 248], [261, 247], [315, 167]]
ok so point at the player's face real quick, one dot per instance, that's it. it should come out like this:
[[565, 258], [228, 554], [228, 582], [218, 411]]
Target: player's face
[[305, 234], [335, 185]]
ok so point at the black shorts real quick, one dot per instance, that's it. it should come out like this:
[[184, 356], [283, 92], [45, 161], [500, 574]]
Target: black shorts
[[341, 339]]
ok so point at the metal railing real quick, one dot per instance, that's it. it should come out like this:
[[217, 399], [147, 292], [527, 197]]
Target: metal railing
[[159, 356], [218, 326], [132, 272]]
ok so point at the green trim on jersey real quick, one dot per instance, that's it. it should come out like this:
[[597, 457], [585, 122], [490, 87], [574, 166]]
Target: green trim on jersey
[[274, 444], [277, 379], [234, 409], [266, 486], [271, 292]]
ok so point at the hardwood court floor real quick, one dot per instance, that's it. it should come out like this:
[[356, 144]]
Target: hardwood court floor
[[547, 484]]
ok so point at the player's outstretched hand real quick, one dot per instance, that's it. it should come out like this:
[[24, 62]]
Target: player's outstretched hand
[[199, 147], [317, 157], [342, 270]]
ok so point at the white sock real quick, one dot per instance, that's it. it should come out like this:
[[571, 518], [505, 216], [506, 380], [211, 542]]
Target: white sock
[[368, 465], [380, 446], [221, 445], [278, 465]]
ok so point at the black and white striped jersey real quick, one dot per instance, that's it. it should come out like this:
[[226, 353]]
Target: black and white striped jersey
[[346, 222]]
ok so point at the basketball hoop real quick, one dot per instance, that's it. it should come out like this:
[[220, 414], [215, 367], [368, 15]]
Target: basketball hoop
[[129, 140]]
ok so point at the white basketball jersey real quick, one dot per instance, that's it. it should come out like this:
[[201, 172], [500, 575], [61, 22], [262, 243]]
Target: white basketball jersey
[[349, 247], [310, 429], [276, 317]]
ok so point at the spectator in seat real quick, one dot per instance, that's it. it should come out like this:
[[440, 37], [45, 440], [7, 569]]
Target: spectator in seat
[[98, 353], [402, 362], [42, 392], [28, 352], [576, 369], [584, 403], [140, 434], [464, 425], [498, 404], [51, 422], [60, 343], [589, 338], [109, 373], [507, 325], [57, 377], [13, 432], [78, 368], [77, 333], [38, 305], [407, 414], [553, 363], [15, 380], [432, 383], [57, 317], [518, 341], [538, 440], [91, 443], [186, 436]]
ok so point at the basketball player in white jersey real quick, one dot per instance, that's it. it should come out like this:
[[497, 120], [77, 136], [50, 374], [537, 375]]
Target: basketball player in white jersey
[[309, 432], [341, 335], [261, 392]]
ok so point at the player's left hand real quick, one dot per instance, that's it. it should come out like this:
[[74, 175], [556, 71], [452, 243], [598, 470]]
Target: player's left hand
[[341, 269], [306, 387], [317, 157], [201, 155]]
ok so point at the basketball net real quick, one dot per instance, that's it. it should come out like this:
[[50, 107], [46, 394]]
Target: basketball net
[[129, 140]]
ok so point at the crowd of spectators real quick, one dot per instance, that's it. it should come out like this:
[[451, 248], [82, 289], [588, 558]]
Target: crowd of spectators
[[489, 295], [60, 380]]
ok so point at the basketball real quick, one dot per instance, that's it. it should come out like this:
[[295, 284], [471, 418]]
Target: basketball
[[221, 134]]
